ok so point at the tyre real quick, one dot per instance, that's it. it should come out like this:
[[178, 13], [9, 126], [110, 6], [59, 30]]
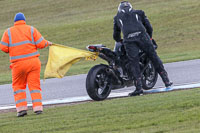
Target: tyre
[[97, 83], [149, 77]]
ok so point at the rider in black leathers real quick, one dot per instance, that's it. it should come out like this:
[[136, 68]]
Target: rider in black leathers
[[137, 33]]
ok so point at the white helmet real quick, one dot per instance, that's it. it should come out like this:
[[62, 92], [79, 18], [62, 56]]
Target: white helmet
[[125, 6]]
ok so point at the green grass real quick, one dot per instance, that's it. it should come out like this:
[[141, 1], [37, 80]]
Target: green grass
[[77, 23], [176, 112]]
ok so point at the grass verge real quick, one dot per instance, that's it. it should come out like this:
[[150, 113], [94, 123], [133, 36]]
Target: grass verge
[[78, 23], [177, 111]]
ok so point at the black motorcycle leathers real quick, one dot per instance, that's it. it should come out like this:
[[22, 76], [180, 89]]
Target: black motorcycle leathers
[[137, 32], [131, 22]]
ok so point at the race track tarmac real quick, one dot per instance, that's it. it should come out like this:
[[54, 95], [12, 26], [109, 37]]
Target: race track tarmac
[[181, 73]]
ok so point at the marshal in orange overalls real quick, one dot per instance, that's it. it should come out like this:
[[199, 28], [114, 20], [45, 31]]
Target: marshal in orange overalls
[[21, 42]]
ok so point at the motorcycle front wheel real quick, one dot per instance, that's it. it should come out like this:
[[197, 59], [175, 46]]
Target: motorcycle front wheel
[[149, 77], [97, 83]]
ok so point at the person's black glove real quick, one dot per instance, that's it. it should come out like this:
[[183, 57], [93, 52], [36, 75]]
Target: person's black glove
[[154, 43]]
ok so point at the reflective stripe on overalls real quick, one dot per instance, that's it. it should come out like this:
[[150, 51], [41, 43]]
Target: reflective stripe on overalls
[[22, 43]]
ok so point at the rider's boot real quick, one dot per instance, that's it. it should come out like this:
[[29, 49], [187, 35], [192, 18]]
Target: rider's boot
[[138, 91], [165, 79]]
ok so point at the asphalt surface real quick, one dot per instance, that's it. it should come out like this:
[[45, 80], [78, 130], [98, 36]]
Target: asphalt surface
[[181, 73]]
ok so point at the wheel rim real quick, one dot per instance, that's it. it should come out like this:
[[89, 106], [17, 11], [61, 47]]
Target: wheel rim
[[102, 84], [149, 75]]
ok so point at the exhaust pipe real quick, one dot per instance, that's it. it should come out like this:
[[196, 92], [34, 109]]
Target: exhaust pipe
[[111, 72]]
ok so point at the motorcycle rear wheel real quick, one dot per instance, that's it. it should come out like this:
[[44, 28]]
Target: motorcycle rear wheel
[[97, 83]]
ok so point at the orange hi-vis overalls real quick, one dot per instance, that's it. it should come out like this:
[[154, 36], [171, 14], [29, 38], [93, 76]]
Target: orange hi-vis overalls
[[21, 42]]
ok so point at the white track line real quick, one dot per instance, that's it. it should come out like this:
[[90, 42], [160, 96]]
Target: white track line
[[112, 95]]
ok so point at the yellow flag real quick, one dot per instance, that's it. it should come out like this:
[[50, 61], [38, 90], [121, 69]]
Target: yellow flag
[[61, 59]]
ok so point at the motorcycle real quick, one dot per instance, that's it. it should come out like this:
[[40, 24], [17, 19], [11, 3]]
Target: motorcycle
[[103, 78]]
